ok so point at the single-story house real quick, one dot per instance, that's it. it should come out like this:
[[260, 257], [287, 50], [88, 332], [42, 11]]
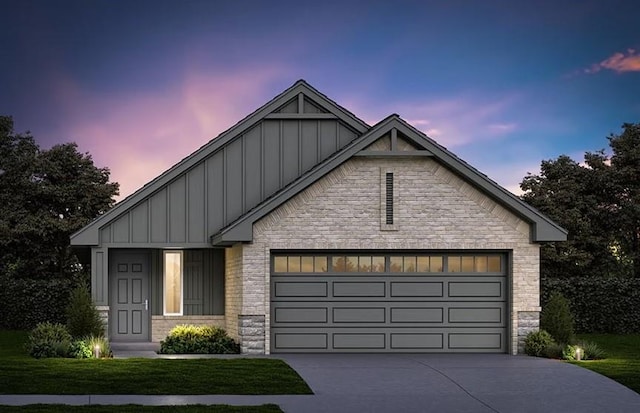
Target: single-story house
[[304, 229]]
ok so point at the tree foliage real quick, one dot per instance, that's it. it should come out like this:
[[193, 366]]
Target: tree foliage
[[598, 202], [45, 196]]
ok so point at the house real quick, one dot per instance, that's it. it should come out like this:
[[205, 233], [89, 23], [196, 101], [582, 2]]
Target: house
[[303, 229]]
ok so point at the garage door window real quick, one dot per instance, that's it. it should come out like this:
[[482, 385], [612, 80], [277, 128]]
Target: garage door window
[[410, 263]]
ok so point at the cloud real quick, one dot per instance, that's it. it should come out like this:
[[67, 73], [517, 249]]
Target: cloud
[[138, 136], [618, 62]]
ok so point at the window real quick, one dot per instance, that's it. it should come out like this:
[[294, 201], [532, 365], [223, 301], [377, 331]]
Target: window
[[172, 282]]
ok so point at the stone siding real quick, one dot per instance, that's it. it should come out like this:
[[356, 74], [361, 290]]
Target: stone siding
[[251, 329], [233, 289], [435, 209]]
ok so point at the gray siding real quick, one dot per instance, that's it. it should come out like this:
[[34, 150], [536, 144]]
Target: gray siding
[[229, 183], [203, 282]]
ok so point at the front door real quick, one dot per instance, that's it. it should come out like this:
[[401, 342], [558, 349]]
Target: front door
[[129, 292]]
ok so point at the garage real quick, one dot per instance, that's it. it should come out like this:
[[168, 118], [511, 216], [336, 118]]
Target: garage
[[389, 302]]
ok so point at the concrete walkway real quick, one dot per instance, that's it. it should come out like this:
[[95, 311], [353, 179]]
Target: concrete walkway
[[415, 383]]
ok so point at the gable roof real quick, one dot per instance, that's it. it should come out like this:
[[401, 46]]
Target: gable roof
[[89, 235], [543, 228]]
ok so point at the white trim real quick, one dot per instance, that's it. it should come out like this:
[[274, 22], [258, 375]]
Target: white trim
[[164, 275]]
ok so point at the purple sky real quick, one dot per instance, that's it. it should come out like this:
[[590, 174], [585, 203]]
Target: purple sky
[[142, 84]]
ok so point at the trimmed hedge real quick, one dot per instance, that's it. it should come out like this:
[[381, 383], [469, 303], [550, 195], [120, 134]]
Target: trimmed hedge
[[599, 304], [26, 302]]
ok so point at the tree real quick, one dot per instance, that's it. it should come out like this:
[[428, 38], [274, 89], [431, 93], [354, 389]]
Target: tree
[[45, 196], [598, 202], [625, 176], [575, 196]]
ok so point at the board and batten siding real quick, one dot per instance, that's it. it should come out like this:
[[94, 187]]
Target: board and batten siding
[[203, 282], [228, 183]]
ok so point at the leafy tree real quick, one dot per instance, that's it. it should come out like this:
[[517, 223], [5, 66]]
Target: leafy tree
[[625, 175], [598, 202], [572, 195], [45, 196]]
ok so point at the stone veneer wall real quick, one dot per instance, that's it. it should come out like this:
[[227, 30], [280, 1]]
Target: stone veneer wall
[[435, 210], [233, 289], [161, 325]]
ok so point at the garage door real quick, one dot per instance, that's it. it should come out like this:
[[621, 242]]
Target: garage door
[[382, 302]]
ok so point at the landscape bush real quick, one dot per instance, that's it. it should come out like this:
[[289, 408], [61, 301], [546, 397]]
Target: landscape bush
[[557, 320], [83, 318], [591, 351], [537, 342], [599, 304], [49, 340], [190, 339]]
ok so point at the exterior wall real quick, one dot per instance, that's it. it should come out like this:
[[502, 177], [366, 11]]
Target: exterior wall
[[228, 183], [233, 289], [434, 210], [203, 289], [161, 325]]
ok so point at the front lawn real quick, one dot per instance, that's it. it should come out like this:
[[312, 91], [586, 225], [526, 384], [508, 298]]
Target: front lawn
[[21, 374], [134, 408], [623, 358]]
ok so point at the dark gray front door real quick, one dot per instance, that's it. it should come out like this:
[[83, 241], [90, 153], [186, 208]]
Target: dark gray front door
[[129, 296], [389, 302]]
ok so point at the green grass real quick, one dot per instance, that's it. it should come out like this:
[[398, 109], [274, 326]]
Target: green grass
[[623, 358], [22, 374], [132, 408]]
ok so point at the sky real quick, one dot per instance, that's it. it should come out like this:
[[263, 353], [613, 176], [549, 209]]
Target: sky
[[503, 84]]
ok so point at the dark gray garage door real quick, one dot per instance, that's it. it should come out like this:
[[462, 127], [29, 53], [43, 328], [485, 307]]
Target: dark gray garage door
[[381, 302]]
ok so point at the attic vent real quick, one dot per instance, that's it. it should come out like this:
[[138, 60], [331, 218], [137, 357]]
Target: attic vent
[[389, 198]]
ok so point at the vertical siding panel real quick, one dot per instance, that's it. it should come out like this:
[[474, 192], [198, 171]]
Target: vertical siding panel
[[177, 212], [328, 138], [271, 157], [290, 158], [140, 223], [156, 282], [233, 180], [105, 235], [121, 229], [193, 286], [215, 192], [99, 277], [252, 168], [159, 216], [309, 147], [346, 135], [196, 196]]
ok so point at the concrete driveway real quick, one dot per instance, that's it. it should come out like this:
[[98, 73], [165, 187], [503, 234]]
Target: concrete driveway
[[452, 383]]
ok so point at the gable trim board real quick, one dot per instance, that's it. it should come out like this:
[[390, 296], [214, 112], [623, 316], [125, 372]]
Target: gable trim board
[[483, 218]]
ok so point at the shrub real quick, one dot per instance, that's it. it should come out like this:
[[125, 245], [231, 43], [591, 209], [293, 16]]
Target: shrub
[[592, 351], [569, 352], [49, 340], [536, 343], [553, 351], [80, 349], [100, 341], [557, 320], [83, 318], [85, 348], [190, 339]]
